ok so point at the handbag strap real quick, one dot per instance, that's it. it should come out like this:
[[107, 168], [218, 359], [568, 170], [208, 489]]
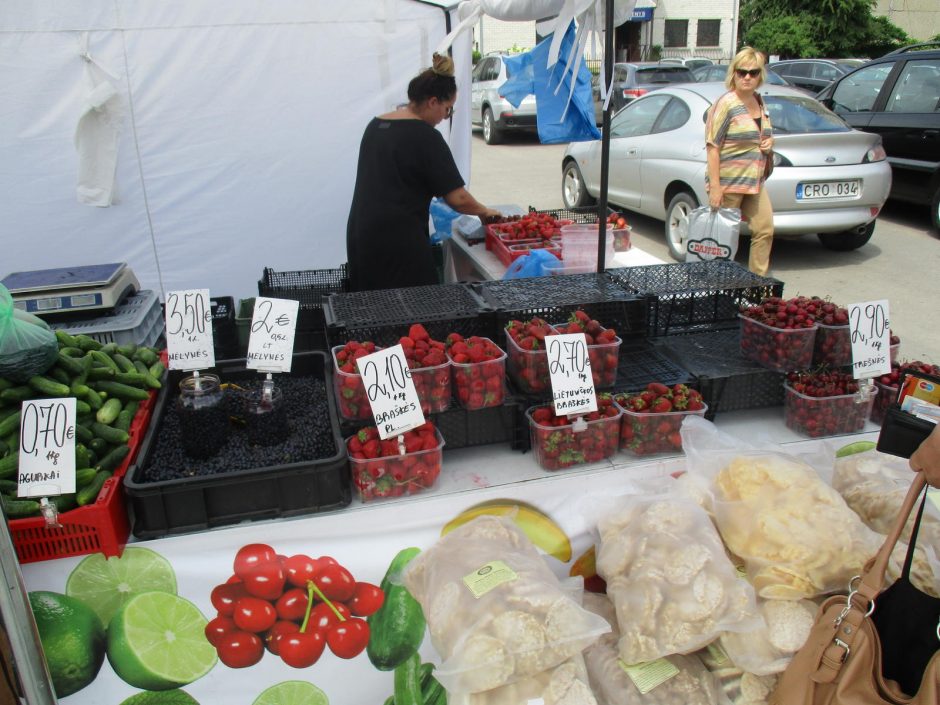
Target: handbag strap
[[915, 530]]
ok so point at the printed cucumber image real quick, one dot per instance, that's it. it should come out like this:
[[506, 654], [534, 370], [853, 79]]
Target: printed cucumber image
[[415, 684], [398, 626]]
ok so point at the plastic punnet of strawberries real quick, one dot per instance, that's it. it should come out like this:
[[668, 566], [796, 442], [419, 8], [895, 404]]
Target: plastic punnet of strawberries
[[559, 441], [652, 418], [530, 226], [779, 333], [347, 383], [888, 385], [621, 232], [528, 363], [393, 467], [479, 366], [430, 370], [824, 403], [603, 346]]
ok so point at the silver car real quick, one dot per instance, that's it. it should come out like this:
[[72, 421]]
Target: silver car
[[828, 178], [492, 111]]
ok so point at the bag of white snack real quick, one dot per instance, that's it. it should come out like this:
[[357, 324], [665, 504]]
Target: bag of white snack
[[495, 611], [736, 685], [669, 577], [796, 535], [785, 627], [565, 684]]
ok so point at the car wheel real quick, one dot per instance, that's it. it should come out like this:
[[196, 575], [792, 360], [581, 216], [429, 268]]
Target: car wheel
[[573, 191], [491, 133], [847, 239], [935, 210], [677, 223]]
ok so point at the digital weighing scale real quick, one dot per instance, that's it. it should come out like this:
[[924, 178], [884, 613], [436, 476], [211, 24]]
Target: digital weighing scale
[[70, 289]]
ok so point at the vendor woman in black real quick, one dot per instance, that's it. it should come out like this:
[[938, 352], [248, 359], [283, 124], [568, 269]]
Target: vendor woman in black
[[403, 163]]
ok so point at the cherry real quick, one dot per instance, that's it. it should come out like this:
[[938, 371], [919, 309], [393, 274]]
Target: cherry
[[219, 627], [272, 638], [225, 596], [299, 570], [348, 639], [335, 581], [322, 617], [252, 555], [301, 649], [253, 614], [367, 599], [265, 580], [240, 649], [292, 605]]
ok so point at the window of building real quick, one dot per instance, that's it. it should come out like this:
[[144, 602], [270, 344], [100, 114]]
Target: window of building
[[707, 33], [677, 33]]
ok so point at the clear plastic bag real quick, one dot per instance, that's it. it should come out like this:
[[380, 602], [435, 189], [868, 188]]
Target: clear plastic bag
[[496, 613], [27, 346], [785, 626], [565, 684], [736, 685], [669, 578]]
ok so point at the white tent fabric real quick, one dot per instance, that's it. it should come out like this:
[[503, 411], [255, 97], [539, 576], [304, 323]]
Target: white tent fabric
[[239, 138]]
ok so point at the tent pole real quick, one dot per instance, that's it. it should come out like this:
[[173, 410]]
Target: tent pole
[[605, 138]]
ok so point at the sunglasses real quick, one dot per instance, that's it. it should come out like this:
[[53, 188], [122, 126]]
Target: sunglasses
[[449, 112], [753, 73]]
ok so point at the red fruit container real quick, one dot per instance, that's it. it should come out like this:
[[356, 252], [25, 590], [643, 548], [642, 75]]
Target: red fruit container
[[604, 357], [350, 393], [832, 346], [825, 416], [479, 385], [528, 368], [560, 447], [396, 475], [777, 349], [644, 434], [887, 394], [433, 387]]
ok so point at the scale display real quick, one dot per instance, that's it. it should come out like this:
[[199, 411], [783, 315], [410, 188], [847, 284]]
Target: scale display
[[94, 286]]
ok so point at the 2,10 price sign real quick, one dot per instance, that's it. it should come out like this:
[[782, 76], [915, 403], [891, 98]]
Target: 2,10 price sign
[[569, 368], [189, 330], [870, 331], [391, 391], [47, 448]]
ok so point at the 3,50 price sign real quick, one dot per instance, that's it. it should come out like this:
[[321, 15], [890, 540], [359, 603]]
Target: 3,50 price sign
[[189, 330], [47, 448], [870, 329], [271, 345], [391, 391], [569, 368]]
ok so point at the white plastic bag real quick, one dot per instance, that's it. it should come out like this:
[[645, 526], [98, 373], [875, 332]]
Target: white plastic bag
[[737, 686], [785, 627], [565, 684], [712, 234]]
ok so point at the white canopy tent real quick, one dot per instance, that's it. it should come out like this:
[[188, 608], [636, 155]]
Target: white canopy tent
[[226, 132]]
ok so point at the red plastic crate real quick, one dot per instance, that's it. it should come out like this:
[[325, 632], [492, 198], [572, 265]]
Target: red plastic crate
[[100, 527], [507, 253]]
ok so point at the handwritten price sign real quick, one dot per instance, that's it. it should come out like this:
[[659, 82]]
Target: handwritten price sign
[[47, 448], [391, 391], [569, 368], [870, 329], [271, 345], [189, 330]]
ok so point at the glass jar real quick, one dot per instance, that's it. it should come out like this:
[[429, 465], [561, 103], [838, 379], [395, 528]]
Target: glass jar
[[266, 419], [204, 425]]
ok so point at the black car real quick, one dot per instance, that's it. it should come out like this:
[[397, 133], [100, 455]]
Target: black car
[[814, 74], [631, 80], [898, 97]]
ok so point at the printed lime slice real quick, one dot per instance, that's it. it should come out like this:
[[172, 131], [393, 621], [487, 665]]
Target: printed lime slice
[[105, 584], [292, 693], [166, 697], [853, 448], [157, 641]]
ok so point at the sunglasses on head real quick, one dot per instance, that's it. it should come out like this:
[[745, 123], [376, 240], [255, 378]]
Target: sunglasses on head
[[753, 73]]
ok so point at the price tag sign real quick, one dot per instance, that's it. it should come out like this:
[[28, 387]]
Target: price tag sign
[[870, 331], [570, 370], [391, 391], [271, 345], [189, 330], [47, 448]]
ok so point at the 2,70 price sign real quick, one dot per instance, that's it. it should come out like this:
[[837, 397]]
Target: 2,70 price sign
[[391, 391], [189, 330], [47, 448], [569, 368]]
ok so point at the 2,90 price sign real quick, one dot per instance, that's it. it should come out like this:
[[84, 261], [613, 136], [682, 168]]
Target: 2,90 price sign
[[189, 330], [569, 368], [870, 331], [47, 448], [391, 391]]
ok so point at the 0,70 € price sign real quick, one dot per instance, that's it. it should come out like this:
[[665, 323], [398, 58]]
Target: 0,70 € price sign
[[870, 331], [189, 330], [47, 448], [569, 368], [391, 391]]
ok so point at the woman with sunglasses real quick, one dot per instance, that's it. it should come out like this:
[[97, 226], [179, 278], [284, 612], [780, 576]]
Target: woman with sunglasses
[[739, 144], [403, 163]]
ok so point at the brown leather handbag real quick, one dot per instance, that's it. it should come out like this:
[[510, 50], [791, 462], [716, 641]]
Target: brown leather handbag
[[841, 662]]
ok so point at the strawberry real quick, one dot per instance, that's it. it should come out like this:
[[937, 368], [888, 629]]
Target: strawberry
[[661, 406]]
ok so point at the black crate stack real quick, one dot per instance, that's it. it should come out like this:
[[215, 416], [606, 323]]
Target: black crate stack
[[311, 287]]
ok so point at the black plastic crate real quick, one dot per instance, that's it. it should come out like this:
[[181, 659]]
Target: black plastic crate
[[643, 363], [727, 380], [384, 315], [311, 287], [196, 503], [224, 333], [692, 296], [555, 298], [584, 215]]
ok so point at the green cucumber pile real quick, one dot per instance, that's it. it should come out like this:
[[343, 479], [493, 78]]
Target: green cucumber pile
[[109, 382]]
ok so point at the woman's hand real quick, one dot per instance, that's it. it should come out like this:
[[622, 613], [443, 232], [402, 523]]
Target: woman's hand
[[767, 145], [715, 195], [926, 458], [491, 216]]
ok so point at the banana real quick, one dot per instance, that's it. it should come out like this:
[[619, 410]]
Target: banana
[[541, 529]]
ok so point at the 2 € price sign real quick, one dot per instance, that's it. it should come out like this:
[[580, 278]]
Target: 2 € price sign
[[271, 345], [870, 331], [391, 391], [189, 330], [569, 368], [47, 448]]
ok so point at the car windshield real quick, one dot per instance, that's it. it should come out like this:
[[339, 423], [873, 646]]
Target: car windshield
[[664, 74], [800, 115]]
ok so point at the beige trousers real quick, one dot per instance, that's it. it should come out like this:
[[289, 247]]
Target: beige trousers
[[756, 208]]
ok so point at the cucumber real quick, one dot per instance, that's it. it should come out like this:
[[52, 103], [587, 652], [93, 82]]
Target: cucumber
[[65, 340], [82, 456], [83, 433], [109, 348], [8, 412], [18, 394], [110, 434], [109, 411], [99, 445], [114, 458], [82, 407], [72, 352], [132, 379], [157, 369], [93, 399], [104, 359], [149, 379], [123, 391], [128, 349], [82, 377], [4, 448], [84, 475], [79, 389], [146, 356], [123, 362], [64, 502], [50, 387], [5, 383], [59, 375], [10, 424], [9, 464], [398, 626], [8, 487], [101, 373], [71, 365], [89, 493], [19, 508], [87, 343], [126, 417], [407, 681]]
